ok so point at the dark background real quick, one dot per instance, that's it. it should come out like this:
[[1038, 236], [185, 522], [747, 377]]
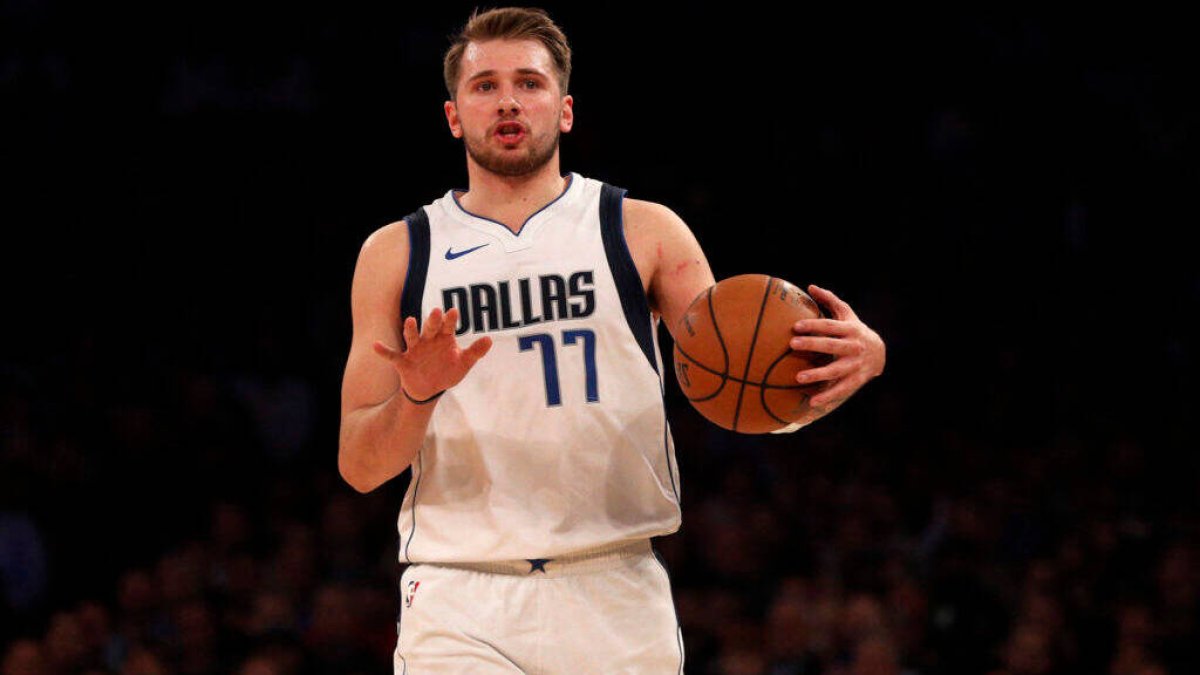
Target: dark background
[[1005, 198]]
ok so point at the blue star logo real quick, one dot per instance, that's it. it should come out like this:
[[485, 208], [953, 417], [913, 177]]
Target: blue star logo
[[538, 564]]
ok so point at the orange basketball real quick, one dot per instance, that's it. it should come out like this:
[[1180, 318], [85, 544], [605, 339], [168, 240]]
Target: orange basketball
[[733, 359]]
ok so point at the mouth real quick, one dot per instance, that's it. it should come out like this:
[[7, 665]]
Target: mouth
[[510, 133]]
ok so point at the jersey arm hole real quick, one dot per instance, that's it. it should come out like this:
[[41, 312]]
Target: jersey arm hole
[[645, 297], [411, 296], [408, 268], [634, 302], [408, 264]]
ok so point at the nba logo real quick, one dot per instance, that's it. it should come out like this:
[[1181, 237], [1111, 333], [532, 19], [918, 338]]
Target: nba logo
[[412, 590]]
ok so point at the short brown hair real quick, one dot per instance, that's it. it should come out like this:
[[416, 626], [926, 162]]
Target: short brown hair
[[509, 23]]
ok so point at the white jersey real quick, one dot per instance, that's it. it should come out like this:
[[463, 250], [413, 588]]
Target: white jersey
[[556, 442]]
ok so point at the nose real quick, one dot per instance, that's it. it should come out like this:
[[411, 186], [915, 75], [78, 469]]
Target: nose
[[509, 103]]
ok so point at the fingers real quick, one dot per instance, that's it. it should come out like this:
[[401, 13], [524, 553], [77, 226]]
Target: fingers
[[410, 333], [840, 309], [385, 351], [433, 325], [824, 345], [836, 393], [837, 369], [476, 351], [438, 323], [823, 327], [450, 321], [832, 396]]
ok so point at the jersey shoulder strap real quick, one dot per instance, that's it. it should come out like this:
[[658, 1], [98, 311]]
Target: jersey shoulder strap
[[418, 267], [629, 284]]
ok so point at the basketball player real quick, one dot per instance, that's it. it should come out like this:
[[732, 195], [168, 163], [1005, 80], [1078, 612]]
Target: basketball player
[[528, 401]]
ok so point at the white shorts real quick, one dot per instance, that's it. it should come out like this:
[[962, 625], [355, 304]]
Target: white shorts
[[606, 612]]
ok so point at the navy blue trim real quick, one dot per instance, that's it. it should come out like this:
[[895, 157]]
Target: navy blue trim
[[418, 268], [662, 390], [667, 452], [570, 181], [678, 627], [634, 303], [416, 487], [629, 283]]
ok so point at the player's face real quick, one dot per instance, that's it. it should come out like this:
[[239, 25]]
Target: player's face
[[510, 112]]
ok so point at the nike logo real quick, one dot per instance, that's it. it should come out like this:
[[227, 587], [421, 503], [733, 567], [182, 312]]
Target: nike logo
[[451, 255]]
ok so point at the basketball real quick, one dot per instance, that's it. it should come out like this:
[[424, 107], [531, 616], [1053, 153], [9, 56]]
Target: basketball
[[733, 359]]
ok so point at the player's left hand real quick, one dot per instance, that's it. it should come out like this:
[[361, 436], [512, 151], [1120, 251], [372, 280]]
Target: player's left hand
[[858, 352]]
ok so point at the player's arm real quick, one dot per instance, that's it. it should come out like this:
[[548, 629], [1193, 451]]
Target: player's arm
[[380, 431], [668, 257], [382, 428]]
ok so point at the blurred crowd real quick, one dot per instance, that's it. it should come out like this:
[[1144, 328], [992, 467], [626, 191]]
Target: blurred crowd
[[1001, 200], [193, 522]]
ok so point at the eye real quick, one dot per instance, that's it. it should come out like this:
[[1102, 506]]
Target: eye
[[484, 86], [531, 84]]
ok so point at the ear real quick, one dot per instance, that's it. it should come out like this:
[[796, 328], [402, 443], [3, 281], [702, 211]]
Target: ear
[[567, 119], [452, 119]]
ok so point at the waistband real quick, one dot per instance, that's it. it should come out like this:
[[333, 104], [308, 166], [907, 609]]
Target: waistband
[[582, 562]]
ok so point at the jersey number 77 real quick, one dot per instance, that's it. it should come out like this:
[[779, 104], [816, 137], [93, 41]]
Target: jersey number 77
[[545, 343]]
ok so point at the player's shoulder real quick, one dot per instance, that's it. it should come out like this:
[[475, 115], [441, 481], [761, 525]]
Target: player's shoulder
[[384, 248], [384, 252], [386, 237], [642, 216], [650, 223]]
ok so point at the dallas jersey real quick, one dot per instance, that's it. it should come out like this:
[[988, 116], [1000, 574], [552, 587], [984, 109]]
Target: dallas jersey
[[556, 442]]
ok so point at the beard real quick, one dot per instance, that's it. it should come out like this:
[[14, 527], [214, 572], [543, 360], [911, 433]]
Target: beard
[[536, 153]]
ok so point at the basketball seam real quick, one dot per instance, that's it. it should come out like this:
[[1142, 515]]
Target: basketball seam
[[712, 314], [737, 411], [725, 376], [762, 392], [724, 353]]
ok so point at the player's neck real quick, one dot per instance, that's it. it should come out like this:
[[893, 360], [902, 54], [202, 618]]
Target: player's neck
[[511, 199]]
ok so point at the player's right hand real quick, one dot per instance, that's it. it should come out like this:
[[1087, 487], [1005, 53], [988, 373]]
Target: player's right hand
[[432, 361]]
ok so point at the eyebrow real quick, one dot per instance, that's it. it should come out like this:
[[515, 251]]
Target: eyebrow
[[520, 71]]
